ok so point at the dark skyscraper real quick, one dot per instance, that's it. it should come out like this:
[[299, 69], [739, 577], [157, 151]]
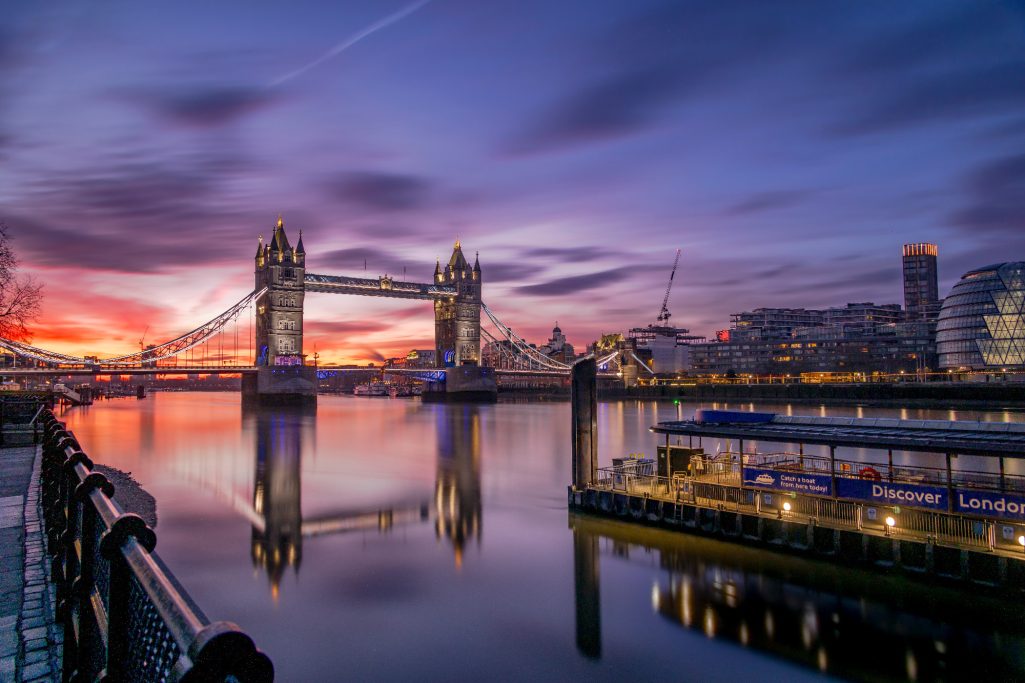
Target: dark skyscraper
[[921, 294]]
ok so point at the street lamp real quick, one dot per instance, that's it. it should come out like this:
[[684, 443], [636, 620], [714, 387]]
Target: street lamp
[[890, 523]]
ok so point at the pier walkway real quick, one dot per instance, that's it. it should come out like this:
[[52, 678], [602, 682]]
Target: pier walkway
[[30, 643]]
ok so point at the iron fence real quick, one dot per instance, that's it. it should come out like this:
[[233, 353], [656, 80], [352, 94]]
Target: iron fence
[[125, 616], [713, 489]]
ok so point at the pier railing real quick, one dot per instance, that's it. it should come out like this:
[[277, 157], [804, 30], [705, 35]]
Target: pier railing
[[125, 616], [715, 487]]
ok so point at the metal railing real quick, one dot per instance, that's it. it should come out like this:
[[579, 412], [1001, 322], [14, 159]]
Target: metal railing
[[125, 616], [19, 416], [712, 489]]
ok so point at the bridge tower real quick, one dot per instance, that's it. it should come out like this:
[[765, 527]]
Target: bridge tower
[[457, 319], [280, 268], [281, 377]]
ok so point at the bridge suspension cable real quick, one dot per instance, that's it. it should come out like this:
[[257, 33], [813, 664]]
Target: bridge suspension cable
[[41, 355], [525, 353], [189, 339], [168, 349]]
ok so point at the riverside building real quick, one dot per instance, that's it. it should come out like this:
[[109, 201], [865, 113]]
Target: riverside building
[[981, 326], [859, 338]]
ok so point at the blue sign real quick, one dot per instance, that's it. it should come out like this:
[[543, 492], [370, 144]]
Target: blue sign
[[784, 480], [892, 493], [989, 504]]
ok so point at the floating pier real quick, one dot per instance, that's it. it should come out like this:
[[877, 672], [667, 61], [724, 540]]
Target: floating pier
[[937, 520]]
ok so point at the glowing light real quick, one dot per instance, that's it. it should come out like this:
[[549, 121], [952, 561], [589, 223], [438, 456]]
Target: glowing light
[[890, 522], [1021, 540], [786, 506]]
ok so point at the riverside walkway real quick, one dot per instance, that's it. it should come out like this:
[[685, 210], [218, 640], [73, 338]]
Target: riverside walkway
[[30, 642]]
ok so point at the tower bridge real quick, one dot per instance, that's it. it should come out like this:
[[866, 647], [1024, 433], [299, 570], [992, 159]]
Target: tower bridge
[[279, 373]]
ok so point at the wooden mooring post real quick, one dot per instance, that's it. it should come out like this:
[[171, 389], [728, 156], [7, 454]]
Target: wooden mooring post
[[584, 399]]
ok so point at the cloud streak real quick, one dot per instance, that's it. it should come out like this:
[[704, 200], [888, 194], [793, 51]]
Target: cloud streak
[[574, 284], [382, 191], [205, 107]]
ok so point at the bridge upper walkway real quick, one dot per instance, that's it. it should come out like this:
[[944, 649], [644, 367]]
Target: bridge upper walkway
[[383, 286]]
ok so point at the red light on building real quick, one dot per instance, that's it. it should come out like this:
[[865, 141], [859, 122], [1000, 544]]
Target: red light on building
[[722, 335]]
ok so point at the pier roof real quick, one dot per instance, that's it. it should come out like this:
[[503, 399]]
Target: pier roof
[[997, 439]]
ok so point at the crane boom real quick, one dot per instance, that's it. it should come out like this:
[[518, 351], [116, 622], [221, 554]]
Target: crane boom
[[663, 315]]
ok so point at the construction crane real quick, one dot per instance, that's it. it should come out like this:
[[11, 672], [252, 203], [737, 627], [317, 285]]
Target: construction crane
[[142, 341], [663, 315]]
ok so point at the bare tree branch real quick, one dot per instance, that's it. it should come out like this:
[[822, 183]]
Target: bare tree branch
[[21, 297]]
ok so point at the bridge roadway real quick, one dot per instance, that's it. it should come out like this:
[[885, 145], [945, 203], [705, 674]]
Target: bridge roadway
[[248, 369]]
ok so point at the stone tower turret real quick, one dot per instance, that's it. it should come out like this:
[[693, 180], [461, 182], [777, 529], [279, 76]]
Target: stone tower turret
[[457, 319], [279, 312]]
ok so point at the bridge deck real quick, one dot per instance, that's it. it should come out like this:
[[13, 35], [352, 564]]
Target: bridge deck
[[383, 286]]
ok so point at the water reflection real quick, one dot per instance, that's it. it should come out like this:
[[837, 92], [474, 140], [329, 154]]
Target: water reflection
[[587, 586], [457, 499], [278, 524], [847, 622], [277, 536]]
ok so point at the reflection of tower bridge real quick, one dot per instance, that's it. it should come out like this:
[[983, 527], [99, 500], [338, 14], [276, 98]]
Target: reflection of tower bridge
[[278, 370], [271, 500]]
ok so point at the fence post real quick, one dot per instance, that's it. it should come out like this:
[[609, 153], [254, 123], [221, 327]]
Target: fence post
[[950, 486], [80, 611], [117, 618]]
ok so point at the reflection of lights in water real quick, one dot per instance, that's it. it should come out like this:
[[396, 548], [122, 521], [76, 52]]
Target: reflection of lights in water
[[291, 553], [685, 614], [731, 594], [655, 597], [911, 665], [770, 625], [809, 626], [744, 635], [823, 660], [709, 622]]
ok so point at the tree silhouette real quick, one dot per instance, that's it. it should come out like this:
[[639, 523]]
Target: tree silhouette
[[21, 297]]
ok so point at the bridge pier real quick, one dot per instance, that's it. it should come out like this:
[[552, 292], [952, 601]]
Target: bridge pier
[[466, 383], [282, 385]]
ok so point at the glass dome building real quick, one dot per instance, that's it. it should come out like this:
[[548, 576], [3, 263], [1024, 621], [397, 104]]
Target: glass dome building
[[982, 322]]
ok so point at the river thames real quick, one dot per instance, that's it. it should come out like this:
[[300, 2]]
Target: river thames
[[386, 539]]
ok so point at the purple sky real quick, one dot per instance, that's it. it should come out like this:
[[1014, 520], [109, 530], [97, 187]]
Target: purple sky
[[789, 148]]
